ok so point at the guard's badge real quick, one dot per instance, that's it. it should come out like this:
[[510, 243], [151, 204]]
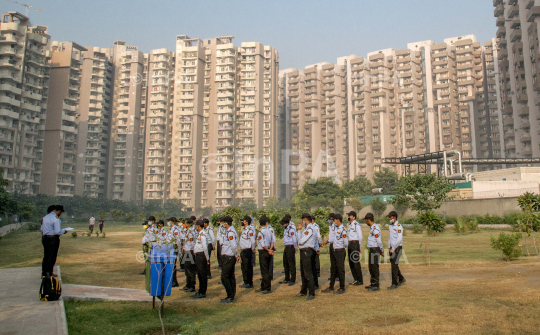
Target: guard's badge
[[306, 233], [344, 235], [231, 238], [191, 239], [399, 231], [260, 237], [292, 233], [175, 233], [394, 230], [376, 235], [251, 234]]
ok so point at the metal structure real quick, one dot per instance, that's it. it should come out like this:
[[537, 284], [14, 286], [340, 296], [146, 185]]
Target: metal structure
[[445, 161], [26, 5]]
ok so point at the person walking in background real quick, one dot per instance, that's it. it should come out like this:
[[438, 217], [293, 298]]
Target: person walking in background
[[51, 230], [91, 224], [395, 243], [101, 225]]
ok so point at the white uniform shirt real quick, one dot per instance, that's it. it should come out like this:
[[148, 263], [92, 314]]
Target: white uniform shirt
[[201, 245], [374, 238], [318, 239], [247, 238], [176, 236], [189, 239], [307, 238], [221, 234], [273, 235], [264, 238], [163, 236], [210, 239], [395, 239], [51, 225], [230, 244], [355, 233], [289, 236], [341, 239], [332, 233]]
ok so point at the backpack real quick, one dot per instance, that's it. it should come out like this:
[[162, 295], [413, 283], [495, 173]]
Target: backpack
[[50, 290]]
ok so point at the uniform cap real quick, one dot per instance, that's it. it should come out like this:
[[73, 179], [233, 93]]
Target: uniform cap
[[59, 208]]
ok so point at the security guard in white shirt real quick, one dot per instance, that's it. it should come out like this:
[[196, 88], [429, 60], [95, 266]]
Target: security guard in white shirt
[[355, 249], [220, 239], [51, 231], [189, 259], [211, 240], [265, 245], [305, 244], [202, 259], [339, 244], [331, 236], [289, 253], [395, 243], [248, 251], [315, 261], [376, 250], [174, 237], [271, 262], [229, 257]]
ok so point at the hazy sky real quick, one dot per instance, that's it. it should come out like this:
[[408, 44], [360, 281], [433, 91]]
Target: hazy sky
[[303, 31]]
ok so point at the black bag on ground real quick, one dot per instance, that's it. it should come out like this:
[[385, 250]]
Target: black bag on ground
[[50, 290]]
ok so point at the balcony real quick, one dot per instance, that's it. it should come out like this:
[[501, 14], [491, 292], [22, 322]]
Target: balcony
[[533, 13], [516, 35]]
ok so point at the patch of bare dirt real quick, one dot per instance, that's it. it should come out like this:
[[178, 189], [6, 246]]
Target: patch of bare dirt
[[386, 321]]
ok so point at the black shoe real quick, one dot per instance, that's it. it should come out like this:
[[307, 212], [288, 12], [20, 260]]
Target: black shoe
[[329, 278], [185, 288], [374, 289], [282, 271], [401, 283], [242, 286], [328, 290], [143, 273], [248, 286], [258, 290], [219, 268], [227, 301], [209, 277], [291, 283], [337, 278], [311, 297], [300, 295], [266, 292], [198, 296], [340, 291], [190, 290], [368, 287], [284, 282], [393, 287], [357, 283]]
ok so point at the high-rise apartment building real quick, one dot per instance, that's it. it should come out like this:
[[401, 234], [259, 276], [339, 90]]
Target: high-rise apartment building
[[124, 181], [95, 104], [347, 117], [61, 124], [518, 60], [24, 83], [158, 124]]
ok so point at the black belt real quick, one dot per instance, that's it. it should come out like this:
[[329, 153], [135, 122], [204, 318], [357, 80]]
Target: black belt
[[50, 236]]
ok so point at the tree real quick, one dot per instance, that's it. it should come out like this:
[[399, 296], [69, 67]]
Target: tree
[[323, 186], [401, 205], [25, 209], [359, 186], [356, 204], [337, 205], [423, 192], [235, 213], [248, 205], [173, 207], [130, 217], [378, 206], [6, 199], [103, 215], [117, 214], [272, 202], [387, 180], [141, 216], [207, 211], [152, 206]]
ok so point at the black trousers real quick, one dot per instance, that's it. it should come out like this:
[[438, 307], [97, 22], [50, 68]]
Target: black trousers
[[289, 263], [374, 259], [210, 248], [51, 243], [91, 228], [175, 278], [202, 267], [394, 261], [227, 275], [338, 269], [318, 264], [247, 265], [332, 261], [264, 261], [190, 267], [354, 261], [314, 268], [101, 228], [181, 260], [306, 272], [218, 253], [271, 267]]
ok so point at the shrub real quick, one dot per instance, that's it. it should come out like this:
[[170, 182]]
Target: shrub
[[74, 234], [103, 235], [472, 225], [460, 226], [97, 234], [508, 244], [89, 233], [408, 221], [34, 227], [417, 228], [450, 220], [432, 221]]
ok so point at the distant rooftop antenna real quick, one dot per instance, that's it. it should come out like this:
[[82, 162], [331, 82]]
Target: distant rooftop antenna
[[26, 5]]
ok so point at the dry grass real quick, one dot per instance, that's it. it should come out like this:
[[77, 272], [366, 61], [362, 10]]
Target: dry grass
[[466, 289]]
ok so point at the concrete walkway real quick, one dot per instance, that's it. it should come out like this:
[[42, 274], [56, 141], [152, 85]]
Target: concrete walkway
[[98, 293], [21, 311], [7, 228]]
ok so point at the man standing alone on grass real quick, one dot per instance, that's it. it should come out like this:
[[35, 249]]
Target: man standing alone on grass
[[395, 243], [51, 231], [229, 257], [355, 249], [305, 244], [247, 249], [91, 224], [202, 259], [376, 250]]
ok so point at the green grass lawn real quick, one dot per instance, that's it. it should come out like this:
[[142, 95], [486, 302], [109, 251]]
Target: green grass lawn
[[465, 288]]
